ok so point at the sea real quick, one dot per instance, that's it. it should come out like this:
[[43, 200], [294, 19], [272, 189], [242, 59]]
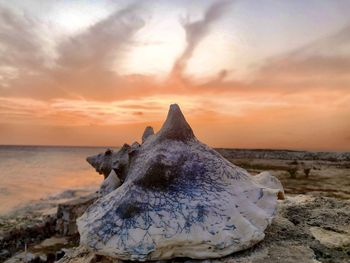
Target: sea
[[32, 173]]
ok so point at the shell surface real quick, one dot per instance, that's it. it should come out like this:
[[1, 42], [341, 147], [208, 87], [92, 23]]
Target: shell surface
[[180, 199]]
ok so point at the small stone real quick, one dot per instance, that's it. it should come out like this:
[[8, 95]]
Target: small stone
[[29, 257], [52, 241], [4, 253], [68, 212], [59, 254], [43, 258], [330, 238]]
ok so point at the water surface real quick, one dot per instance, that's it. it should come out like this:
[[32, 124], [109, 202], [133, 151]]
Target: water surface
[[30, 173]]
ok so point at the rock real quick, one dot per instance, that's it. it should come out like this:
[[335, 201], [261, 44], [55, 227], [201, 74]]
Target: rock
[[147, 133], [52, 241], [59, 254], [15, 238], [32, 223], [43, 258], [180, 198], [49, 250], [4, 253], [28, 257], [331, 239], [285, 241], [23, 257], [78, 255], [68, 212], [283, 154], [33, 258]]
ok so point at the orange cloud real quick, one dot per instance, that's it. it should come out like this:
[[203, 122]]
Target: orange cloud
[[297, 100]]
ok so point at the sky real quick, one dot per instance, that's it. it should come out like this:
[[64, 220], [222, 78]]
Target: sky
[[246, 73]]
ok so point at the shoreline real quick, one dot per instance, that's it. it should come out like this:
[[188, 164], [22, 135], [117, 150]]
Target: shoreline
[[231, 149], [47, 202]]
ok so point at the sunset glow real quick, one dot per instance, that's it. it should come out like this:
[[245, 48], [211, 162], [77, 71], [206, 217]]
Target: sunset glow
[[247, 74]]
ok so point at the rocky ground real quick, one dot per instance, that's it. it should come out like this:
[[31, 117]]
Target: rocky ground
[[312, 227], [325, 178], [28, 226], [268, 154], [306, 229]]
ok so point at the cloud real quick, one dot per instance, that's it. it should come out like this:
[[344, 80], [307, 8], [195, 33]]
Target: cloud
[[83, 70], [85, 61], [83, 65], [322, 64], [196, 32], [79, 89], [20, 45], [97, 47], [335, 44]]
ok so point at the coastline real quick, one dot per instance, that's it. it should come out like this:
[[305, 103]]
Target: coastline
[[47, 204]]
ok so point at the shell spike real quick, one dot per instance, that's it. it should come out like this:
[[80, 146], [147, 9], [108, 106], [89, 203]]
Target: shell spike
[[175, 126]]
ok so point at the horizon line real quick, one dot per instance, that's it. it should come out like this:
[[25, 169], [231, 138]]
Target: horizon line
[[117, 147]]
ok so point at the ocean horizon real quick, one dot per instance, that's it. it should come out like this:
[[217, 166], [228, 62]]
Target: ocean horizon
[[119, 146]]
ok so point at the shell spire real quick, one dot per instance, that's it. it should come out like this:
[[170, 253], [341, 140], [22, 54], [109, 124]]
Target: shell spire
[[147, 133], [175, 126]]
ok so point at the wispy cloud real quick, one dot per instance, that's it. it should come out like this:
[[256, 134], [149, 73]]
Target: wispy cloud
[[195, 32], [321, 64], [20, 45], [83, 65], [76, 85]]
